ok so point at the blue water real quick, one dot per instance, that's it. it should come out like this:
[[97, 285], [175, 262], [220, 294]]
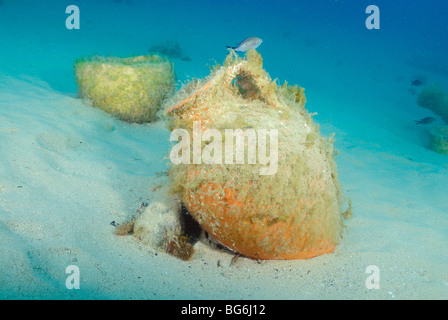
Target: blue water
[[357, 80], [294, 32]]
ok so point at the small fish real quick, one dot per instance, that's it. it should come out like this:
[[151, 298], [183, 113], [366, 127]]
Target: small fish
[[416, 82], [426, 120], [249, 43]]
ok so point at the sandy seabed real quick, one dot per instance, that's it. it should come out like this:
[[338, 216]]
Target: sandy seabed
[[68, 170]]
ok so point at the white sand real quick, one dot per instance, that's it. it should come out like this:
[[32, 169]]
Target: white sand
[[68, 170]]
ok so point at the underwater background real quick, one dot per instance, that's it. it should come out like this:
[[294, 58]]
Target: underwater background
[[67, 170]]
